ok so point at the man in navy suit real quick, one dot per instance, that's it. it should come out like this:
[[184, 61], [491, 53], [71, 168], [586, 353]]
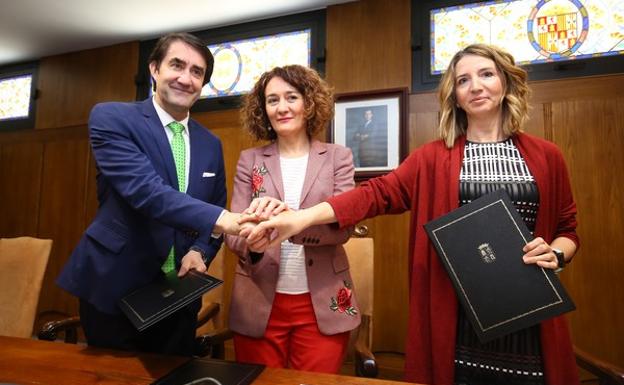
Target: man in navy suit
[[144, 215]]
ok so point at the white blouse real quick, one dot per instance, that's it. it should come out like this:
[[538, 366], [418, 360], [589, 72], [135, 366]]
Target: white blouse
[[292, 273]]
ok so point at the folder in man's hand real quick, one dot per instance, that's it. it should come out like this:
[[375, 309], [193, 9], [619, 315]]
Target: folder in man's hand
[[480, 245], [163, 297]]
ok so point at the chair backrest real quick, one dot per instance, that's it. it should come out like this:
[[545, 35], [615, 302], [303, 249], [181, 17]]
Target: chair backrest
[[23, 263], [216, 295], [360, 252], [606, 373]]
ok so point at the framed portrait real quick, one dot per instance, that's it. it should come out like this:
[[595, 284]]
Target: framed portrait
[[373, 124]]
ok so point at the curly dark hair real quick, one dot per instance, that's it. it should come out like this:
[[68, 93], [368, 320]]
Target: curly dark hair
[[318, 100]]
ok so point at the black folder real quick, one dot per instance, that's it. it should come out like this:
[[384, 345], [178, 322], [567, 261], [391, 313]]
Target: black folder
[[480, 244], [163, 297], [203, 371]]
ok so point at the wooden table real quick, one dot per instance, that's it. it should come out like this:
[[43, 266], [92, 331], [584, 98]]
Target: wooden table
[[26, 361]]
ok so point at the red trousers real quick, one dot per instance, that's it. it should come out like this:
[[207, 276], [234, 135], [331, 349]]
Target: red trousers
[[292, 339]]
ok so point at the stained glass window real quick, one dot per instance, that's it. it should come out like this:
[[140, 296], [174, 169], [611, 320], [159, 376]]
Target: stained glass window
[[533, 31], [239, 64], [15, 97]]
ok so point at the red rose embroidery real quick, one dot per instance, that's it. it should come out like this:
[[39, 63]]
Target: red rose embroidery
[[342, 301], [257, 179]]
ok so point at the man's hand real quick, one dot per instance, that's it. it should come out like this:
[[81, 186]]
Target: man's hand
[[192, 260], [227, 223], [230, 223]]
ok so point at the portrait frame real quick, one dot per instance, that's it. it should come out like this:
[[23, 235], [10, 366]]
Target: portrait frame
[[373, 124]]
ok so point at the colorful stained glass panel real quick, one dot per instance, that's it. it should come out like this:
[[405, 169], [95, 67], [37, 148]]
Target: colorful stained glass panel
[[239, 64], [533, 31], [15, 97]]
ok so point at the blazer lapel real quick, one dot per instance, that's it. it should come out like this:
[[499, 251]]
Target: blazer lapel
[[160, 138], [271, 160], [316, 159]]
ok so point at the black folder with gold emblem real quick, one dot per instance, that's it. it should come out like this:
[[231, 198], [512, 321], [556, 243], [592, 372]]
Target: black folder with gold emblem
[[480, 244], [163, 297], [203, 371]]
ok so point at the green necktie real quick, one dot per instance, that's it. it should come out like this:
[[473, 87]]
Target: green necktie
[[179, 157]]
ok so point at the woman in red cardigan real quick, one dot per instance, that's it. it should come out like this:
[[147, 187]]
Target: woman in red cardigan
[[483, 97]]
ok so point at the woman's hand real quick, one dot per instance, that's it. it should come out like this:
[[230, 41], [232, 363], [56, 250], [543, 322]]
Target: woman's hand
[[289, 223], [264, 208], [258, 244], [539, 252], [286, 224]]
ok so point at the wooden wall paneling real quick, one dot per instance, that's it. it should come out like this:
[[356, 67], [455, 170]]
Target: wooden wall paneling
[[368, 45], [71, 84], [391, 294], [424, 102], [226, 125], [62, 213], [368, 48], [424, 112], [590, 133], [539, 123], [20, 177], [423, 128], [592, 87]]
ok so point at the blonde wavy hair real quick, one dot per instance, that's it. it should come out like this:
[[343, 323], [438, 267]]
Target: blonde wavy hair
[[318, 101], [515, 105]]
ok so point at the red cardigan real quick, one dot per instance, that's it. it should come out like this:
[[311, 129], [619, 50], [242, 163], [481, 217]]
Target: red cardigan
[[427, 184]]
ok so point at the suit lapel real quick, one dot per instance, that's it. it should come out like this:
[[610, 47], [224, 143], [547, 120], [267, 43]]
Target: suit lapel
[[318, 152], [195, 153], [160, 138], [271, 160]]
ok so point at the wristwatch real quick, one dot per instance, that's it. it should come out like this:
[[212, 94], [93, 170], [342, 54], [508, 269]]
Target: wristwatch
[[561, 262]]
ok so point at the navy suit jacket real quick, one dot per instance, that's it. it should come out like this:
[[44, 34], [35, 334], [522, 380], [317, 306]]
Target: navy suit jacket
[[141, 213]]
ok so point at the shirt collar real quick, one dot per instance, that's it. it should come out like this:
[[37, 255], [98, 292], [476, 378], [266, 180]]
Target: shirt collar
[[165, 118]]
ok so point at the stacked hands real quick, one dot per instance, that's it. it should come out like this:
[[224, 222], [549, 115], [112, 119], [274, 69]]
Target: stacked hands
[[266, 222], [262, 223]]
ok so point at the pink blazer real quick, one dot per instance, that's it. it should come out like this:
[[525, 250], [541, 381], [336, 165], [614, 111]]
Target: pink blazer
[[330, 171]]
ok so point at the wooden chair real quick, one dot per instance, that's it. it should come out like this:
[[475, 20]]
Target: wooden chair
[[360, 252], [212, 331], [210, 320], [606, 373], [23, 263]]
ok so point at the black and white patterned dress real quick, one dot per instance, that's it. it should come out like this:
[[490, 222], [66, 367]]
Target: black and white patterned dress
[[516, 358]]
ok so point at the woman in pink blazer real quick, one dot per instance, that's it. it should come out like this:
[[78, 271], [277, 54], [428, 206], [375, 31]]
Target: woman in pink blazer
[[293, 304]]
